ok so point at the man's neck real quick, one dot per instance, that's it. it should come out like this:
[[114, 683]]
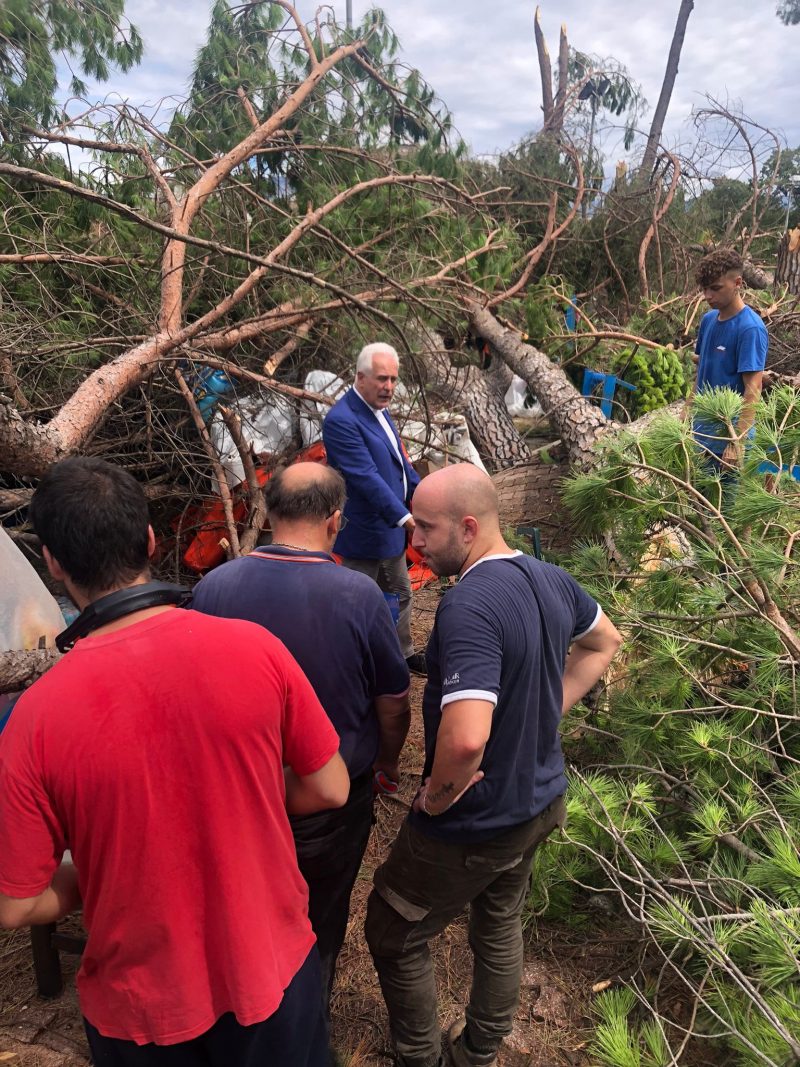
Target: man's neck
[[495, 547], [736, 305], [83, 599], [302, 538]]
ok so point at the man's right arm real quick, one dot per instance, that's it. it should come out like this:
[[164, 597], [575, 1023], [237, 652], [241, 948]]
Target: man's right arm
[[329, 787], [394, 720], [59, 899], [588, 659]]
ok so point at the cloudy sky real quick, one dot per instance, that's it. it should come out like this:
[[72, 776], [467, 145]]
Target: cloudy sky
[[480, 57]]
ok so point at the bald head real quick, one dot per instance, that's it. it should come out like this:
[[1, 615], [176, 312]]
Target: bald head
[[304, 492], [459, 490], [456, 517]]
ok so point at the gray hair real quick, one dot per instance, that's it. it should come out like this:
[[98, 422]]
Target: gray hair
[[364, 361], [316, 498]]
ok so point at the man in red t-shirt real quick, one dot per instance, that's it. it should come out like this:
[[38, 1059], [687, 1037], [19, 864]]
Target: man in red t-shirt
[[164, 751]]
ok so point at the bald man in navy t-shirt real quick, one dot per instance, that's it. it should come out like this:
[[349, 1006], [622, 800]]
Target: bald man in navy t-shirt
[[516, 643]]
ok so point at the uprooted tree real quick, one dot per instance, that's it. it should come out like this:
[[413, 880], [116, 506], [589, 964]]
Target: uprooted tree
[[311, 196]]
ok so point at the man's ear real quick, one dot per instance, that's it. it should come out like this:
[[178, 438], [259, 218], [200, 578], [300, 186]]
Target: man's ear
[[332, 525], [470, 528], [151, 542], [53, 566]]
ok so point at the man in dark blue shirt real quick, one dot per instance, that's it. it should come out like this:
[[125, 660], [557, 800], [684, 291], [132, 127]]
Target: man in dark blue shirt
[[515, 644], [337, 625]]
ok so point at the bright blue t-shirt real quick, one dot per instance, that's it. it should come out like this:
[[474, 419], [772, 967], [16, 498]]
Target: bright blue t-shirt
[[335, 622], [727, 350], [502, 634]]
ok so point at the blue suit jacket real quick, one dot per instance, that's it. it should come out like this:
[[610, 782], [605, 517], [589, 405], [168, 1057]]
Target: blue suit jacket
[[357, 445]]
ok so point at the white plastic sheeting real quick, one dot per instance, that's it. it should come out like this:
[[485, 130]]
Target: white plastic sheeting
[[326, 383], [519, 404], [448, 442], [267, 425], [28, 613]]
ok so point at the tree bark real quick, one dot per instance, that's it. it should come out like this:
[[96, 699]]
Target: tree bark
[[563, 73], [545, 72], [657, 125], [574, 419], [787, 271], [19, 669], [480, 397]]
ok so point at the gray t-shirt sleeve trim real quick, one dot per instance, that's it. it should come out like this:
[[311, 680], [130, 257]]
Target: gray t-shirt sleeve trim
[[470, 694]]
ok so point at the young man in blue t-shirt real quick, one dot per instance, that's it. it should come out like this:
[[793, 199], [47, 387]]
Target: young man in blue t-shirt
[[732, 351], [516, 642]]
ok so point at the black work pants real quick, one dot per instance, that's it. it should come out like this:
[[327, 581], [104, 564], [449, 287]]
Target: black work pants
[[296, 1035], [330, 846], [420, 888]]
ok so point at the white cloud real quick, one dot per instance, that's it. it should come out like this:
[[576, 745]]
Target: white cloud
[[481, 57]]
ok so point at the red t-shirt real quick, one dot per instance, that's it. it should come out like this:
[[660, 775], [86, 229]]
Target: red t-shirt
[[156, 753]]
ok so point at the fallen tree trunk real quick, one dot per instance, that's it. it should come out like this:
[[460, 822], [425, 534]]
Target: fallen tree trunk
[[574, 419], [21, 668]]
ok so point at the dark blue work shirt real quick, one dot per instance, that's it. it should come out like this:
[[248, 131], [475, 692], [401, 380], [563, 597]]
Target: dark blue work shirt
[[502, 634], [334, 621]]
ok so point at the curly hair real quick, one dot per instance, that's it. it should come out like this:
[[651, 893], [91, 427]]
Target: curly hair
[[715, 264]]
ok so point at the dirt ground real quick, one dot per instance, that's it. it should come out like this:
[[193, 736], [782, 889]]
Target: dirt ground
[[552, 1026]]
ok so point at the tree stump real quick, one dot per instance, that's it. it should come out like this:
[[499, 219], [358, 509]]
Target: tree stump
[[530, 495], [787, 271]]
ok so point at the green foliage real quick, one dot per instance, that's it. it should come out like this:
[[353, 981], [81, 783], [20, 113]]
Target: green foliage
[[607, 86], [684, 798], [658, 374], [620, 1041], [34, 33]]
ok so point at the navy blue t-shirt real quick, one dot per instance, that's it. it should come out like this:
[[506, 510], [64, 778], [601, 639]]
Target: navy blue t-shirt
[[334, 621], [502, 634]]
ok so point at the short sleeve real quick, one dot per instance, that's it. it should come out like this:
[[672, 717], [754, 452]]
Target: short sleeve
[[587, 610], [751, 351], [32, 841], [389, 665], [470, 653], [309, 739]]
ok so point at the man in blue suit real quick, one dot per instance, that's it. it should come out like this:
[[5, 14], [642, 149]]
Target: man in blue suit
[[363, 443]]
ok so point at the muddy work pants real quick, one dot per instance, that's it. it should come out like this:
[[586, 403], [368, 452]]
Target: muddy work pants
[[425, 884]]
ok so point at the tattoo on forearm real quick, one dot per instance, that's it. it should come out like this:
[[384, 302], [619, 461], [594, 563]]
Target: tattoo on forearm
[[441, 793]]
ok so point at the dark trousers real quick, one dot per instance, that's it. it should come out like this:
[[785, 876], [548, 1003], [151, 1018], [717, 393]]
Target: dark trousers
[[296, 1035], [391, 574], [330, 847], [423, 885]]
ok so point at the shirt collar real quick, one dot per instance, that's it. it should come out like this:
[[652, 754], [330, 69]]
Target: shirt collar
[[485, 559], [286, 552], [377, 412]]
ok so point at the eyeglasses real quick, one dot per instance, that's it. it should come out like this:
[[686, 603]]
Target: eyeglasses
[[343, 520]]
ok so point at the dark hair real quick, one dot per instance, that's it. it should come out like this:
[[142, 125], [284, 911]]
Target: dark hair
[[715, 264], [316, 498], [92, 516]]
